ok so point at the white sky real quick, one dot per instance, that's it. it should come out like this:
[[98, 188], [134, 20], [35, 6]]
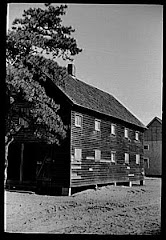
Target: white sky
[[122, 51]]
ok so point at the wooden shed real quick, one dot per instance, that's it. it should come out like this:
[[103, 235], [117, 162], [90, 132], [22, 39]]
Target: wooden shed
[[153, 148], [104, 142]]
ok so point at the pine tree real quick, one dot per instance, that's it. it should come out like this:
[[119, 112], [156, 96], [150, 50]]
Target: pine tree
[[38, 33]]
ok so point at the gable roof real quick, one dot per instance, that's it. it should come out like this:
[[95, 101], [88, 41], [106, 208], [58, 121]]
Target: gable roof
[[155, 118], [87, 96]]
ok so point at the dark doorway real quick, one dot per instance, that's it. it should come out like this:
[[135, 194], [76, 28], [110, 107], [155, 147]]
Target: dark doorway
[[30, 161], [14, 159], [25, 159]]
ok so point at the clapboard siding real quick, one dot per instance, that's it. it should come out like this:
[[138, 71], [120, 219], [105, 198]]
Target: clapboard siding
[[91, 171]]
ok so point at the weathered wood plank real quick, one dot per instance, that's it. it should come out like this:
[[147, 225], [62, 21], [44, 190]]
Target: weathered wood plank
[[87, 139]]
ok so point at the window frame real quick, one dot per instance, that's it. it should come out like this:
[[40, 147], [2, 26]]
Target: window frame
[[113, 127], [126, 129], [96, 155], [98, 121], [25, 110], [136, 135], [136, 160], [147, 146], [23, 122], [76, 153], [147, 161], [75, 122], [113, 157], [127, 161]]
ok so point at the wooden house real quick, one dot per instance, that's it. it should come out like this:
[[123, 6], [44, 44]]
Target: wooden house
[[104, 142], [153, 148]]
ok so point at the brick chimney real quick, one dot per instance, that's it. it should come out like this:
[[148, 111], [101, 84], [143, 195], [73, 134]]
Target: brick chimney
[[71, 69]]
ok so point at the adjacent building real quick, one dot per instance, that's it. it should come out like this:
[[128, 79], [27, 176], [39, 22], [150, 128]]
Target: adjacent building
[[153, 148]]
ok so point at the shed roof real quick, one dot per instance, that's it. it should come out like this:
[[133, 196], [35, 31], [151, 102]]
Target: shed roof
[[87, 96]]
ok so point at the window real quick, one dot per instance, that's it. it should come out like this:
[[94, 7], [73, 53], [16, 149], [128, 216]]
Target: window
[[146, 162], [137, 159], [126, 133], [97, 154], [78, 120], [24, 110], [113, 129], [97, 125], [23, 122], [126, 158], [146, 147], [113, 160], [78, 154], [137, 136]]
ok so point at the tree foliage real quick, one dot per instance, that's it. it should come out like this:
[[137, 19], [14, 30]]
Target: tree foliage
[[42, 118], [41, 29], [38, 32]]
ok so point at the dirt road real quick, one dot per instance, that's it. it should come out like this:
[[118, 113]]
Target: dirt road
[[109, 210]]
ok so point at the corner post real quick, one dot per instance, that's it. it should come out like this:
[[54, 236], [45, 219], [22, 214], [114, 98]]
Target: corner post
[[130, 184]]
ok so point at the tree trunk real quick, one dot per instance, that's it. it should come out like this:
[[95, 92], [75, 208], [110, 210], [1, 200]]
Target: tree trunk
[[7, 143]]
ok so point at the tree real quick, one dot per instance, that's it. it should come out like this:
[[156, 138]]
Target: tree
[[38, 33], [41, 30]]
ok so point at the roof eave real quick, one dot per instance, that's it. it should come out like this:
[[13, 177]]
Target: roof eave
[[109, 115]]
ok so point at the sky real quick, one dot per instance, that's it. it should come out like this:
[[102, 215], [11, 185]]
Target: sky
[[122, 51]]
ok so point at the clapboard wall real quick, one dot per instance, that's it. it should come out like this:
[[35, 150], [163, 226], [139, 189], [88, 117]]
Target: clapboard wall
[[90, 171]]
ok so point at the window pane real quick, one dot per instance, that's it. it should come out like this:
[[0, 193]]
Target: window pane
[[112, 129], [112, 156], [146, 162], [126, 133], [97, 154], [97, 125], [137, 159], [78, 120], [146, 147], [23, 122], [78, 154], [24, 110], [136, 135], [126, 158]]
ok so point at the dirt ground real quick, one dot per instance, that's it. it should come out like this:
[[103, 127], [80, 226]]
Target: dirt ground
[[116, 210]]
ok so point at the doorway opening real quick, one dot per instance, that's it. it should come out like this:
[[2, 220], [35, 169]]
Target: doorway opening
[[24, 161]]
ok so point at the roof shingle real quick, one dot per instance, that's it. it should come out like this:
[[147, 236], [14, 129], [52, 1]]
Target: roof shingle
[[90, 97]]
